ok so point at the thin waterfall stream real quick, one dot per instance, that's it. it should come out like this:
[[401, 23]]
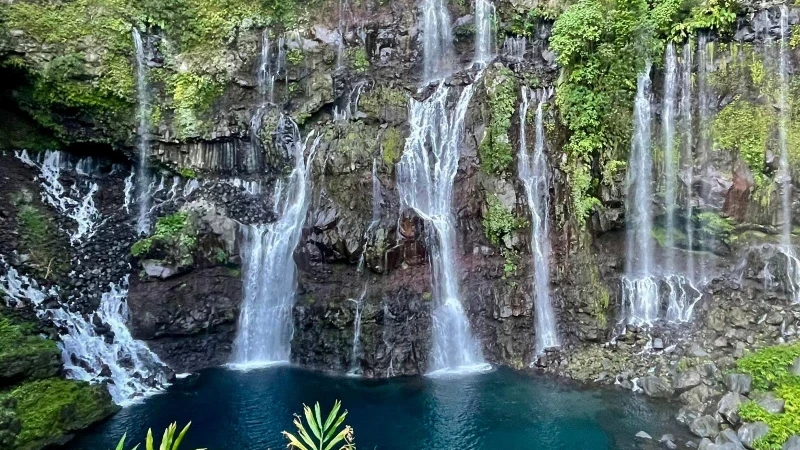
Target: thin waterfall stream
[[143, 199], [533, 172]]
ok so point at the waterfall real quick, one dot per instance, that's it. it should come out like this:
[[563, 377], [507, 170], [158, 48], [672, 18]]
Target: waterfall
[[785, 180], [514, 48], [639, 288], [269, 280], [74, 204], [128, 366], [355, 367], [484, 32], [687, 156], [670, 161], [437, 39], [143, 133], [533, 174], [425, 176], [705, 120]]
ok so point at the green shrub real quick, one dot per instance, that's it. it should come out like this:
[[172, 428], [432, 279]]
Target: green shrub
[[496, 152], [174, 240], [358, 59], [769, 368], [323, 435], [499, 221]]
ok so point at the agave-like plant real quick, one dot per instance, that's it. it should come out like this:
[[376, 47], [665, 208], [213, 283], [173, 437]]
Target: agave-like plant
[[168, 442], [324, 435]]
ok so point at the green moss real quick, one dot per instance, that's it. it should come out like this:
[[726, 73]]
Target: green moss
[[24, 354], [295, 56], [744, 127], [496, 152], [357, 57], [187, 173], [174, 241], [769, 369], [39, 239], [49, 409], [384, 103], [392, 146], [192, 97]]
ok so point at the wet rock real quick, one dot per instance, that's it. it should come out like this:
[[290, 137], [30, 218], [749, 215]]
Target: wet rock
[[751, 432], [655, 387], [704, 427], [643, 436], [687, 380], [729, 439], [696, 396], [728, 407], [769, 402], [740, 383], [667, 442], [792, 444]]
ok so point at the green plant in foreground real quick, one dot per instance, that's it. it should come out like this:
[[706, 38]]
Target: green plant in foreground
[[769, 368], [168, 442], [324, 435]]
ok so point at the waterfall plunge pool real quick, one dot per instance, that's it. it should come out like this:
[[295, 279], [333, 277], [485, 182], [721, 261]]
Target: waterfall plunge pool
[[501, 409]]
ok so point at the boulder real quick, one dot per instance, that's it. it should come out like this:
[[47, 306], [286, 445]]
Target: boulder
[[644, 436], [667, 442], [704, 427], [795, 368], [792, 444], [705, 443], [751, 432], [729, 439], [687, 380], [769, 402], [696, 395], [740, 383], [728, 406], [655, 387]]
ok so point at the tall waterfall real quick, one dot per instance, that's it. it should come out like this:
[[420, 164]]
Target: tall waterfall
[[670, 160], [425, 176], [485, 41], [785, 181], [639, 288], [533, 173], [705, 121], [687, 156], [265, 322], [437, 39], [143, 133]]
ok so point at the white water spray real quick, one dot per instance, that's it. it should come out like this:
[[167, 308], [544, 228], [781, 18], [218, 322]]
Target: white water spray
[[425, 176], [265, 323], [639, 288], [533, 174]]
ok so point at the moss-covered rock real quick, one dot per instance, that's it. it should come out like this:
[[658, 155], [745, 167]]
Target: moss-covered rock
[[49, 411], [25, 355], [169, 250]]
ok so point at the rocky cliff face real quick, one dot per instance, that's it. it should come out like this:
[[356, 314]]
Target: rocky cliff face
[[362, 261]]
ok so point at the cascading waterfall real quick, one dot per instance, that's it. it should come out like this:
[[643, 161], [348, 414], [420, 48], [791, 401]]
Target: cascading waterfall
[[785, 173], [515, 47], [705, 121], [78, 206], [687, 156], [437, 39], [484, 32], [143, 133], [265, 322], [640, 300], [425, 176], [533, 173], [128, 366], [670, 161]]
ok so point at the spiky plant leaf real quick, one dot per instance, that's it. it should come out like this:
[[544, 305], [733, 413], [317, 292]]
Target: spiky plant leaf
[[293, 442], [312, 422], [333, 415], [149, 441], [181, 435]]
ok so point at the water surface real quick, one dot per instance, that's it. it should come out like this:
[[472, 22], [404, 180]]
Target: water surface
[[501, 409]]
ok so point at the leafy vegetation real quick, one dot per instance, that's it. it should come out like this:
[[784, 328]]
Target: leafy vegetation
[[769, 368], [169, 441], [325, 435], [496, 152], [358, 59], [173, 241], [744, 127]]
